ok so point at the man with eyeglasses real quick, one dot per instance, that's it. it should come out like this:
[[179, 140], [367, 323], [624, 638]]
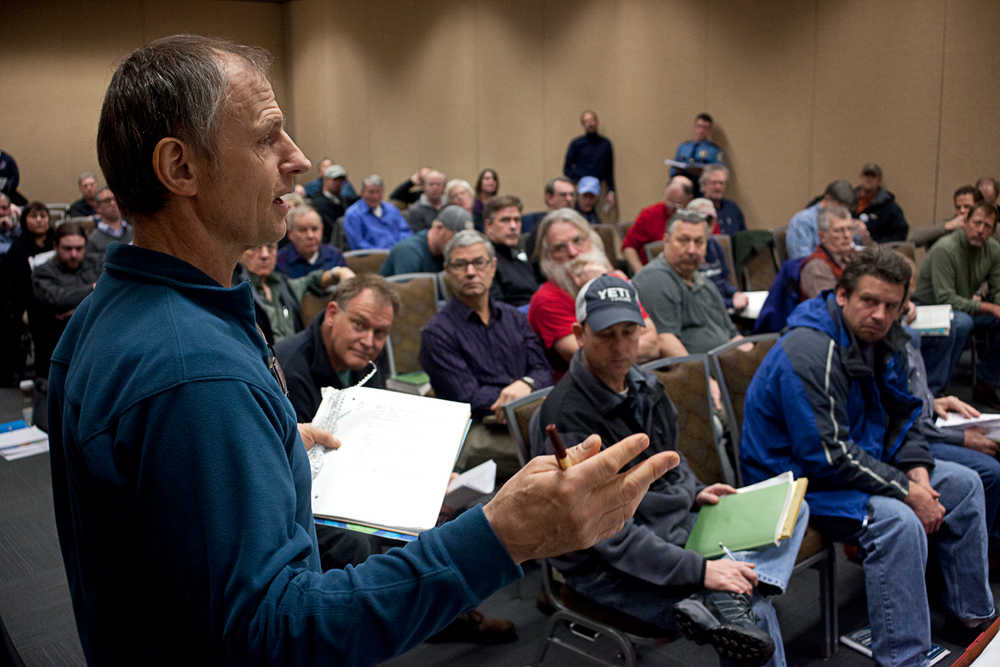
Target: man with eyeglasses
[[111, 229], [515, 280], [481, 351], [822, 269]]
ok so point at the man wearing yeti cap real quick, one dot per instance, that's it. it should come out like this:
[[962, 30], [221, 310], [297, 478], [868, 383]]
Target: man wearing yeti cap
[[644, 570], [424, 251]]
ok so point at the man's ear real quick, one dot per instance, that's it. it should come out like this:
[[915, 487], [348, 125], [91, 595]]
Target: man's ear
[[331, 310], [841, 297], [578, 333], [172, 162]]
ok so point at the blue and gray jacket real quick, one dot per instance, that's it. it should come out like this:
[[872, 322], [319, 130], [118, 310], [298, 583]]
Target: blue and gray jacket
[[815, 407]]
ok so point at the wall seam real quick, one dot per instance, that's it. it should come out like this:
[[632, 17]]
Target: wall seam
[[940, 119], [811, 162]]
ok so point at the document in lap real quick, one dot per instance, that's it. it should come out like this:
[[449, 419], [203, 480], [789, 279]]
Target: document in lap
[[396, 456], [755, 516]]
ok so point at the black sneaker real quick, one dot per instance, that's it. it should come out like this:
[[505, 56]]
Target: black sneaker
[[726, 621]]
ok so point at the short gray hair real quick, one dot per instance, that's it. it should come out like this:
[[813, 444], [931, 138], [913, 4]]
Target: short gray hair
[[172, 87], [826, 216], [685, 215], [466, 238], [711, 169], [458, 183], [85, 175], [372, 180], [297, 212]]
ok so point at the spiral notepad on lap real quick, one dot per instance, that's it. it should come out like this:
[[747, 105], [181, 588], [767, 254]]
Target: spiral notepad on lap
[[396, 455]]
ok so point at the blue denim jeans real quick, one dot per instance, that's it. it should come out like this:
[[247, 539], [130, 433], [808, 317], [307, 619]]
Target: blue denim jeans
[[773, 565], [988, 469], [894, 546], [941, 353]]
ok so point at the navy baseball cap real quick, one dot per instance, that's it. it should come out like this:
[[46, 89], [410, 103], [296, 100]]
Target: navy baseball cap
[[607, 300]]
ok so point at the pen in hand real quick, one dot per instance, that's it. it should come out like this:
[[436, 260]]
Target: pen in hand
[[727, 551], [557, 444]]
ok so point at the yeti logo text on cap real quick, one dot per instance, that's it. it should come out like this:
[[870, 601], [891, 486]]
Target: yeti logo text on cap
[[606, 301]]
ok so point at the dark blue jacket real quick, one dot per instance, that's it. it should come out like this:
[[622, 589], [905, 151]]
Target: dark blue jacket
[[815, 408], [782, 298]]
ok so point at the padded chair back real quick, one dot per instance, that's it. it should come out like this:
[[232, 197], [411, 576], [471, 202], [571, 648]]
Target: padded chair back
[[365, 261], [654, 249], [780, 251], [312, 305], [760, 270], [734, 368], [726, 242], [905, 248], [611, 240], [685, 380], [86, 222], [418, 295], [519, 414]]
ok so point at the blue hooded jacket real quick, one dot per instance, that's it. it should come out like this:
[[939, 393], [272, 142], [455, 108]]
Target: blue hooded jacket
[[815, 407]]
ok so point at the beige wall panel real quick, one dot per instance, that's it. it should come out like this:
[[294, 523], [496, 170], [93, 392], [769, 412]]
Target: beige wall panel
[[329, 110], [878, 85], [970, 118], [759, 88], [59, 57], [659, 75], [510, 96]]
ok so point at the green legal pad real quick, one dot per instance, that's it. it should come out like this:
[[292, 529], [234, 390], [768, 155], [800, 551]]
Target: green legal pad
[[744, 520]]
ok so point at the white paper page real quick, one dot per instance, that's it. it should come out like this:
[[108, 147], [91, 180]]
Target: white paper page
[[20, 452], [783, 478], [956, 421], [756, 301], [932, 318], [482, 478], [21, 436], [397, 451]]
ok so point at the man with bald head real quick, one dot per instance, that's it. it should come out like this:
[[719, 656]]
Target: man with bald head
[[652, 221], [172, 439]]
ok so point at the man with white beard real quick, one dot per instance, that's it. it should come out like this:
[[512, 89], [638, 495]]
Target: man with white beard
[[570, 254]]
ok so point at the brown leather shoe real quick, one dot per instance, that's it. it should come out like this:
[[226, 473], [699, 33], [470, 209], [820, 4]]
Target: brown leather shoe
[[987, 395], [473, 627]]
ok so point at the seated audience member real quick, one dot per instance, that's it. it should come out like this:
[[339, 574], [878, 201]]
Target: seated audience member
[[371, 222], [588, 189], [458, 192], [487, 185], [822, 269], [305, 251], [481, 351], [971, 447], [515, 280], [329, 202], [409, 191], [801, 236], [315, 186], [560, 192], [86, 205], [715, 267], [421, 214], [687, 309], [423, 252], [700, 150], [58, 286], [988, 189], [951, 273], [570, 253], [111, 228], [728, 216], [9, 229], [344, 348], [644, 570], [877, 207], [830, 402], [964, 198], [651, 222], [278, 298], [35, 236]]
